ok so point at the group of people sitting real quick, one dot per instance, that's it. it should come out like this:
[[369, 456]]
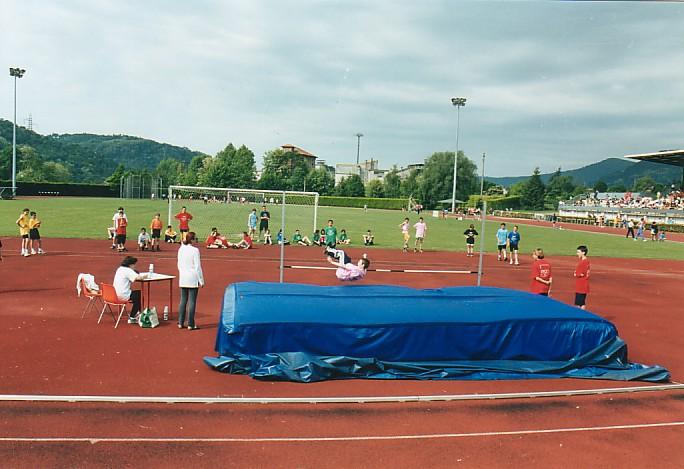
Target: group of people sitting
[[146, 242], [216, 240], [672, 201], [319, 238]]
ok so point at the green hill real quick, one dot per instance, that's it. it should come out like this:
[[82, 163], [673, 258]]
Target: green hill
[[610, 171], [89, 158]]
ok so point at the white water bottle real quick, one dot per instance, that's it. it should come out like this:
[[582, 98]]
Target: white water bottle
[[166, 313], [151, 268]]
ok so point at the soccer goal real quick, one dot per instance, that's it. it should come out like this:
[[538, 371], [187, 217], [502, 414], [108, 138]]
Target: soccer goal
[[229, 210]]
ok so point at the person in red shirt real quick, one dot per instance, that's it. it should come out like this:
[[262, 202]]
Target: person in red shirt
[[216, 240], [582, 277], [183, 222], [121, 222], [244, 243], [541, 274]]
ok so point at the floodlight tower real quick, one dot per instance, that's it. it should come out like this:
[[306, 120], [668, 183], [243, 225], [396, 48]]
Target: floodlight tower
[[15, 72], [358, 146], [458, 102]]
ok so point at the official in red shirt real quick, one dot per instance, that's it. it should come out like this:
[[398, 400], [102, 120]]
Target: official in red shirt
[[582, 277], [541, 274], [184, 222]]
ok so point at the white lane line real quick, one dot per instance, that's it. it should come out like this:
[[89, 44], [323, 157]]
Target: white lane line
[[330, 400], [94, 440]]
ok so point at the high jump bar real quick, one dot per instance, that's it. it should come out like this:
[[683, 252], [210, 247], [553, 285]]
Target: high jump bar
[[406, 271]]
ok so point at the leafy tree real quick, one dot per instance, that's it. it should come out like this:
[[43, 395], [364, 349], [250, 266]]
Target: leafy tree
[[55, 172], [600, 186], [229, 168], [644, 184], [438, 176], [375, 188], [617, 187], [533, 192], [195, 168], [115, 178], [392, 184], [170, 171], [411, 185], [6, 162], [320, 180], [351, 186], [283, 170], [517, 188], [558, 188]]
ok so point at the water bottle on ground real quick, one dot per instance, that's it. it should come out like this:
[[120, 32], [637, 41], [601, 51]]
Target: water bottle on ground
[[166, 313], [151, 268]]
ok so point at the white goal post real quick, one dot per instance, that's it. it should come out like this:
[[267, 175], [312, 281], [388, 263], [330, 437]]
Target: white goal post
[[228, 210]]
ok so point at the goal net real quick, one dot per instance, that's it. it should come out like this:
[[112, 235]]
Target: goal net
[[228, 210]]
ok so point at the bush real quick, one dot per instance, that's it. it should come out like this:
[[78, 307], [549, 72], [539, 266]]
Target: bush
[[359, 202], [495, 202]]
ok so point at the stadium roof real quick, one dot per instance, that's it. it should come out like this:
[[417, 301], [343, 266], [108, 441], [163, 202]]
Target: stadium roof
[[671, 157]]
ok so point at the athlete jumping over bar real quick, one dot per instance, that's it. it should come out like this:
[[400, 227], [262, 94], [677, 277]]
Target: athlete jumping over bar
[[346, 270]]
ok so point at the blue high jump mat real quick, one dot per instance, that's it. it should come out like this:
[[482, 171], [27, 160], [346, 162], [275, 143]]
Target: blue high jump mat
[[309, 333]]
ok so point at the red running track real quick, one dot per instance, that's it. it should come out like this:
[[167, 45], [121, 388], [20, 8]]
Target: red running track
[[48, 349]]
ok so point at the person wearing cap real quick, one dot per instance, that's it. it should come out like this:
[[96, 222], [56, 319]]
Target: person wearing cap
[[124, 278]]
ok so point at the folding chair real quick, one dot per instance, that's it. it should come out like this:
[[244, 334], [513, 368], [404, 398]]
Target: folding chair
[[109, 299], [93, 296]]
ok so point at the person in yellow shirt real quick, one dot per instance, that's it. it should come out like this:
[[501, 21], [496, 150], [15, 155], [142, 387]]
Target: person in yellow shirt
[[23, 224], [156, 227], [170, 235], [34, 234]]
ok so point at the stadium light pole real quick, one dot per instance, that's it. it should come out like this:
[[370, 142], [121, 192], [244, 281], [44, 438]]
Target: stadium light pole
[[482, 178], [358, 146], [458, 102], [15, 72]]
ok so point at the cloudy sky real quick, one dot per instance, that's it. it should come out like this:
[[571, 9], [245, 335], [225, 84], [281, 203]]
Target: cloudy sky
[[548, 84]]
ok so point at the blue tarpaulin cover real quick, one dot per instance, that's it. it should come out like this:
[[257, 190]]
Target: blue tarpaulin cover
[[311, 333]]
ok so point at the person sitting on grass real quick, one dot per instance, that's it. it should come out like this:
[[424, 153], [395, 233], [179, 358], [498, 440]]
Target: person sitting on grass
[[343, 239], [346, 270], [244, 243], [143, 240], [317, 238], [297, 238], [280, 239], [661, 235], [170, 235], [322, 238], [216, 240], [267, 237], [368, 238]]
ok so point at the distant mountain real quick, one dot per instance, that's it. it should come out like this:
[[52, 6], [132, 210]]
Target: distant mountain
[[92, 158], [610, 171]]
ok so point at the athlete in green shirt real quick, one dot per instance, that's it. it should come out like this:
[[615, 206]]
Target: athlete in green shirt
[[330, 234]]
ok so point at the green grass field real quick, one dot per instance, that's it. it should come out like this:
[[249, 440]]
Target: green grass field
[[89, 218]]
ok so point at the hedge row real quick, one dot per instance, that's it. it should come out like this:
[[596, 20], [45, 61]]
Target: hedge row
[[61, 188], [495, 202], [359, 202]]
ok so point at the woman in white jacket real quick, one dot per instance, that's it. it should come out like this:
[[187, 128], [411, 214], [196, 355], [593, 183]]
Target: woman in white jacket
[[190, 279]]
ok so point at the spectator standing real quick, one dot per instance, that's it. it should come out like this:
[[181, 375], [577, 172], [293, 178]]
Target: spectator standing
[[23, 224], [654, 231], [541, 274], [581, 274], [513, 242], [330, 234], [34, 234], [630, 229], [155, 229], [120, 224], [183, 218], [264, 218], [252, 223], [190, 279], [470, 235], [501, 240], [405, 233], [421, 231]]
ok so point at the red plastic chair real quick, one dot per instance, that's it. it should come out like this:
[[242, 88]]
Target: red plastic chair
[[93, 296], [110, 298]]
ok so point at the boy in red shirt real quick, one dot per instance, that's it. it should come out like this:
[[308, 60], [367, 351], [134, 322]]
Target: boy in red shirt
[[121, 222], [582, 277], [183, 222], [541, 274]]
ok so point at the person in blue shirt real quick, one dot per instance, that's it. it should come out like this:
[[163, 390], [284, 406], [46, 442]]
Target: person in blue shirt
[[501, 240], [252, 223], [513, 240]]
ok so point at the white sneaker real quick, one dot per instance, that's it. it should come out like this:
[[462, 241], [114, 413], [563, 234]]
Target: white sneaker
[[33, 251], [26, 254], [40, 251], [132, 320]]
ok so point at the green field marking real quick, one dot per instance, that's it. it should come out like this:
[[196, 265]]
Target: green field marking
[[66, 217]]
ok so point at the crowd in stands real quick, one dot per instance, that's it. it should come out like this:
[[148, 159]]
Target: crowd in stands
[[672, 201]]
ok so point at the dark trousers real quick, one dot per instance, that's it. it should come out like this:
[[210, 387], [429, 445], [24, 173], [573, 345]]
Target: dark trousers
[[630, 231], [188, 299], [135, 299]]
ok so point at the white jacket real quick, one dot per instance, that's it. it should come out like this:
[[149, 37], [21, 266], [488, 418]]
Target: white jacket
[[189, 268]]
